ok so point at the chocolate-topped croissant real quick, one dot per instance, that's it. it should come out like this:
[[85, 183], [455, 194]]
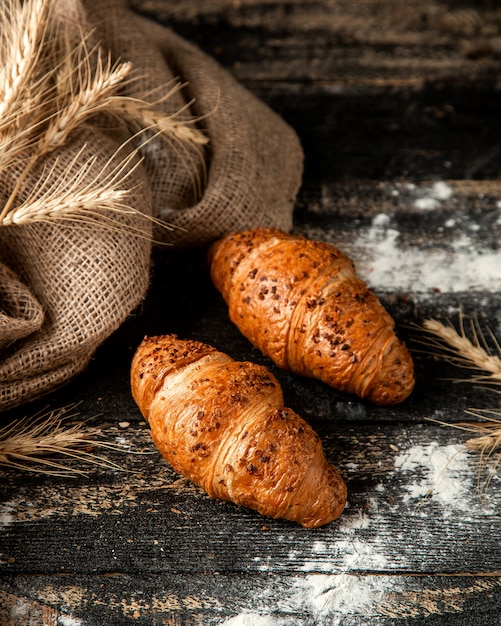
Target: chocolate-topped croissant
[[300, 302], [223, 424]]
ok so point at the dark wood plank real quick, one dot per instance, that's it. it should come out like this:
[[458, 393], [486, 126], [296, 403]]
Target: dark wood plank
[[367, 42], [414, 481], [103, 540], [122, 600], [397, 107]]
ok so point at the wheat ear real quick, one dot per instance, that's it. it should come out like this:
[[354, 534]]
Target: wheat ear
[[458, 349], [93, 95], [20, 50], [25, 74], [84, 195], [487, 441], [34, 444], [92, 98], [76, 84]]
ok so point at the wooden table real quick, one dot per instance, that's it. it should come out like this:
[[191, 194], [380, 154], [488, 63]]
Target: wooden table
[[397, 105]]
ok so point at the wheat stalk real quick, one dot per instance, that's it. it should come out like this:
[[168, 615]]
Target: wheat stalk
[[458, 349], [144, 115], [487, 441], [20, 50], [49, 97], [455, 347], [84, 196], [34, 443], [94, 95], [25, 74]]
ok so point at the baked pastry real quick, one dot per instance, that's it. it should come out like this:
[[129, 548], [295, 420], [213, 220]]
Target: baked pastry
[[223, 424], [300, 302]]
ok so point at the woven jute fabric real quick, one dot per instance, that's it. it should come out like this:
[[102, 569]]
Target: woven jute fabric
[[65, 287]]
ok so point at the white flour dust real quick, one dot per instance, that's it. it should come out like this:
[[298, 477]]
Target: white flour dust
[[432, 197], [332, 597], [463, 264], [352, 552], [321, 594], [441, 473], [386, 266], [253, 619], [67, 620], [330, 590], [343, 594]]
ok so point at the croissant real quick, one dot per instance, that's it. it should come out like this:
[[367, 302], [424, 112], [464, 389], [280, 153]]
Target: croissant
[[300, 302], [223, 425]]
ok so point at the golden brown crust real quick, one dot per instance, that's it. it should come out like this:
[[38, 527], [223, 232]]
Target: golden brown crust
[[301, 303], [223, 425]]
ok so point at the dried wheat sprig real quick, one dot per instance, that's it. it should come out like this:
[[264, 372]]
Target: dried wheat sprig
[[92, 97], [487, 442], [68, 194], [25, 74], [94, 94], [455, 347], [180, 133], [144, 116], [490, 430], [62, 85], [23, 31], [34, 443], [82, 195]]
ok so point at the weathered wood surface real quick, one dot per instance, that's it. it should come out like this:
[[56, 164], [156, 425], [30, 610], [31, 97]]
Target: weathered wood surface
[[397, 106]]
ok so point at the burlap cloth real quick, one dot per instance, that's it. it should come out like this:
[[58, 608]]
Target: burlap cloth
[[65, 287]]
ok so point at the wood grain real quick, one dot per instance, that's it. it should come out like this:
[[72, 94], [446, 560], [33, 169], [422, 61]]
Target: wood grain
[[203, 600], [389, 99]]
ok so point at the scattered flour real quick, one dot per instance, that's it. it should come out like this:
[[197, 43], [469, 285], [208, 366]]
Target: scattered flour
[[432, 197], [463, 264], [321, 597], [441, 473], [20, 609], [326, 591], [67, 620], [350, 523], [343, 594], [386, 266], [330, 590], [347, 554], [351, 467]]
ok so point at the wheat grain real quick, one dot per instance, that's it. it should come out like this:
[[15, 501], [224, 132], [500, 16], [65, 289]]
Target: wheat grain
[[24, 28], [139, 112], [25, 91], [52, 87], [82, 194], [489, 431], [178, 133], [34, 443], [455, 347], [92, 97], [458, 349], [60, 193], [86, 84]]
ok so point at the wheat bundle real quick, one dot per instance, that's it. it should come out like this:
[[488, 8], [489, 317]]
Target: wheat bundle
[[471, 351], [110, 125]]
